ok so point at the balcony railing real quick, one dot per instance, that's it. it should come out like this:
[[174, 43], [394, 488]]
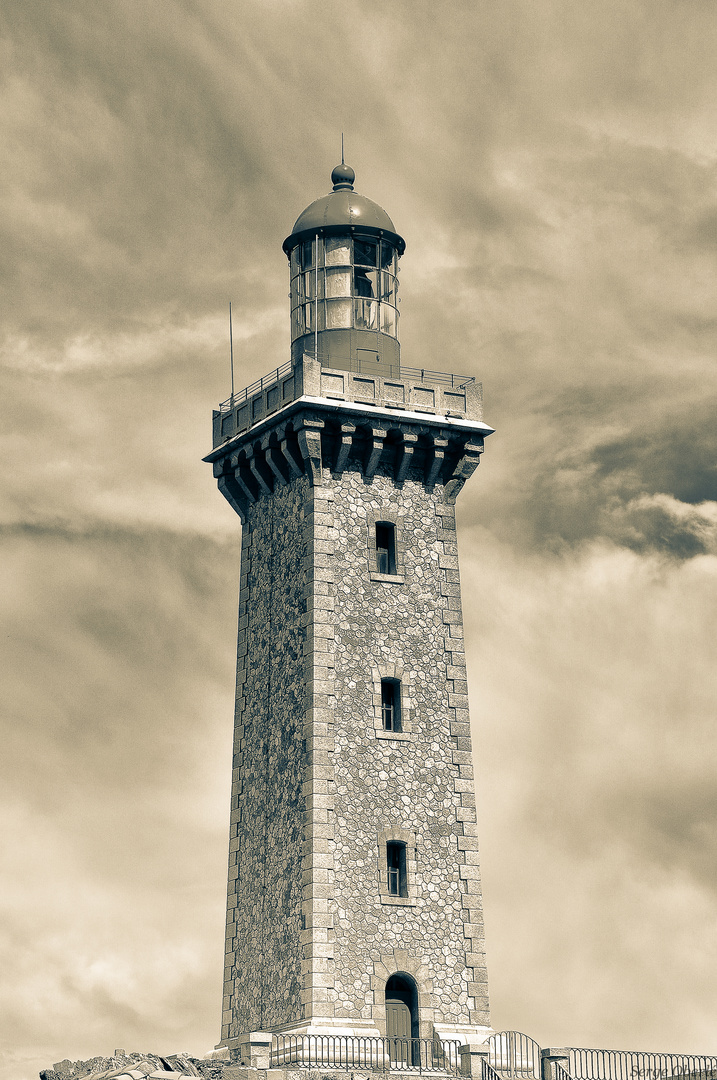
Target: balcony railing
[[378, 1055], [256, 387]]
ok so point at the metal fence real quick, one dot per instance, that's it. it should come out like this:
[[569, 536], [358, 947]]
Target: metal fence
[[445, 378], [488, 1072], [634, 1065], [514, 1055], [382, 1055], [261, 384]]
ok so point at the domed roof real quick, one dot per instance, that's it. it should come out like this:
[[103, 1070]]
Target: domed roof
[[341, 210]]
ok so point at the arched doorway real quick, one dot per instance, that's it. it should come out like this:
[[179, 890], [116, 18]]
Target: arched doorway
[[402, 1018]]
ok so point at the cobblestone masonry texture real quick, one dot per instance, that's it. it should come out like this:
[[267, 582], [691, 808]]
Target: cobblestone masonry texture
[[318, 787], [264, 916], [423, 784]]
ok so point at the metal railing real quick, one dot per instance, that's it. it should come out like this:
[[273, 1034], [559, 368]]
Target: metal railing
[[380, 1055], [445, 378], [514, 1055], [635, 1065], [261, 384], [487, 1070]]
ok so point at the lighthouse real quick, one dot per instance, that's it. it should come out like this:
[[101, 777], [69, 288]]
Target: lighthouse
[[354, 902]]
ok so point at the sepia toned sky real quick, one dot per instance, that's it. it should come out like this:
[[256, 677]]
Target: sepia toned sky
[[553, 168]]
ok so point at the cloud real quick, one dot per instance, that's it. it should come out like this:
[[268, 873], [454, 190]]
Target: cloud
[[114, 808], [663, 523], [593, 687], [552, 169]]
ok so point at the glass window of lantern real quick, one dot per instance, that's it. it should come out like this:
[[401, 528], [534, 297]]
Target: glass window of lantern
[[295, 252], [387, 257], [365, 282], [307, 252], [388, 288], [297, 323], [338, 282], [388, 320], [310, 281], [338, 251], [365, 314], [338, 314], [309, 317], [365, 252]]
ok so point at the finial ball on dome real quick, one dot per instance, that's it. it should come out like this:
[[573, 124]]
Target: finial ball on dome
[[343, 177]]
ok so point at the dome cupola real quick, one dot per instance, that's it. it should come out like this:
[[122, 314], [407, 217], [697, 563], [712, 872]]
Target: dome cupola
[[343, 253]]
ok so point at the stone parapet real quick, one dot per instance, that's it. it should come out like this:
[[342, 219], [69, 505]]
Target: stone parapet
[[432, 393]]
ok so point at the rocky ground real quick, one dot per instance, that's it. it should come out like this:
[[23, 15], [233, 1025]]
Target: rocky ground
[[136, 1066]]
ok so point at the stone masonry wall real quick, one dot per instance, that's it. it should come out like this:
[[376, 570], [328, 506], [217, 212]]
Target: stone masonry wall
[[263, 981], [418, 786]]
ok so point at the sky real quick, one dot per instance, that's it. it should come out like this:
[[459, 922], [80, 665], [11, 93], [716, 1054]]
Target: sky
[[553, 169]]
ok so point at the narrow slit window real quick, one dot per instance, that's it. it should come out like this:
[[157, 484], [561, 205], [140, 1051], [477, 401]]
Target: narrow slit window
[[396, 868], [391, 704], [386, 547]]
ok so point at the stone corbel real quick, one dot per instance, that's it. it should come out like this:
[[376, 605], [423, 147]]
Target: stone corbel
[[347, 435], [465, 467], [275, 461], [309, 436], [374, 452], [249, 495], [439, 454], [255, 464], [405, 452], [291, 461], [234, 495]]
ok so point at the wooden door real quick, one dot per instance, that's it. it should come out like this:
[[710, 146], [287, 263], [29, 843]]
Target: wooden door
[[398, 1030]]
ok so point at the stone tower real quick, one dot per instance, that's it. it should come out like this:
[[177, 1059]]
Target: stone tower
[[354, 902]]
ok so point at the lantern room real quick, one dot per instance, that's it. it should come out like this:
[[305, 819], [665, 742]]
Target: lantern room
[[343, 255]]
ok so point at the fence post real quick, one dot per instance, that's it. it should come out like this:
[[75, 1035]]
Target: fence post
[[472, 1056], [551, 1057], [255, 1049]]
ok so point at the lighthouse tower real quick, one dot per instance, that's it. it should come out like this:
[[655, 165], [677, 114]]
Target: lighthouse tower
[[354, 902]]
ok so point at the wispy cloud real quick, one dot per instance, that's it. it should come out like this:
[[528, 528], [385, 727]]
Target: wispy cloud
[[552, 167]]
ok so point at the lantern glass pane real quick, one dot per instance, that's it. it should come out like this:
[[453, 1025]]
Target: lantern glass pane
[[387, 257], [365, 282], [338, 251], [338, 282], [388, 288], [365, 314], [338, 314], [307, 251], [388, 320], [365, 252]]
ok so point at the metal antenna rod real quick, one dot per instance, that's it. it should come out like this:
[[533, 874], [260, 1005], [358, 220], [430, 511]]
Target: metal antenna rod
[[316, 298], [342, 149], [231, 349]]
